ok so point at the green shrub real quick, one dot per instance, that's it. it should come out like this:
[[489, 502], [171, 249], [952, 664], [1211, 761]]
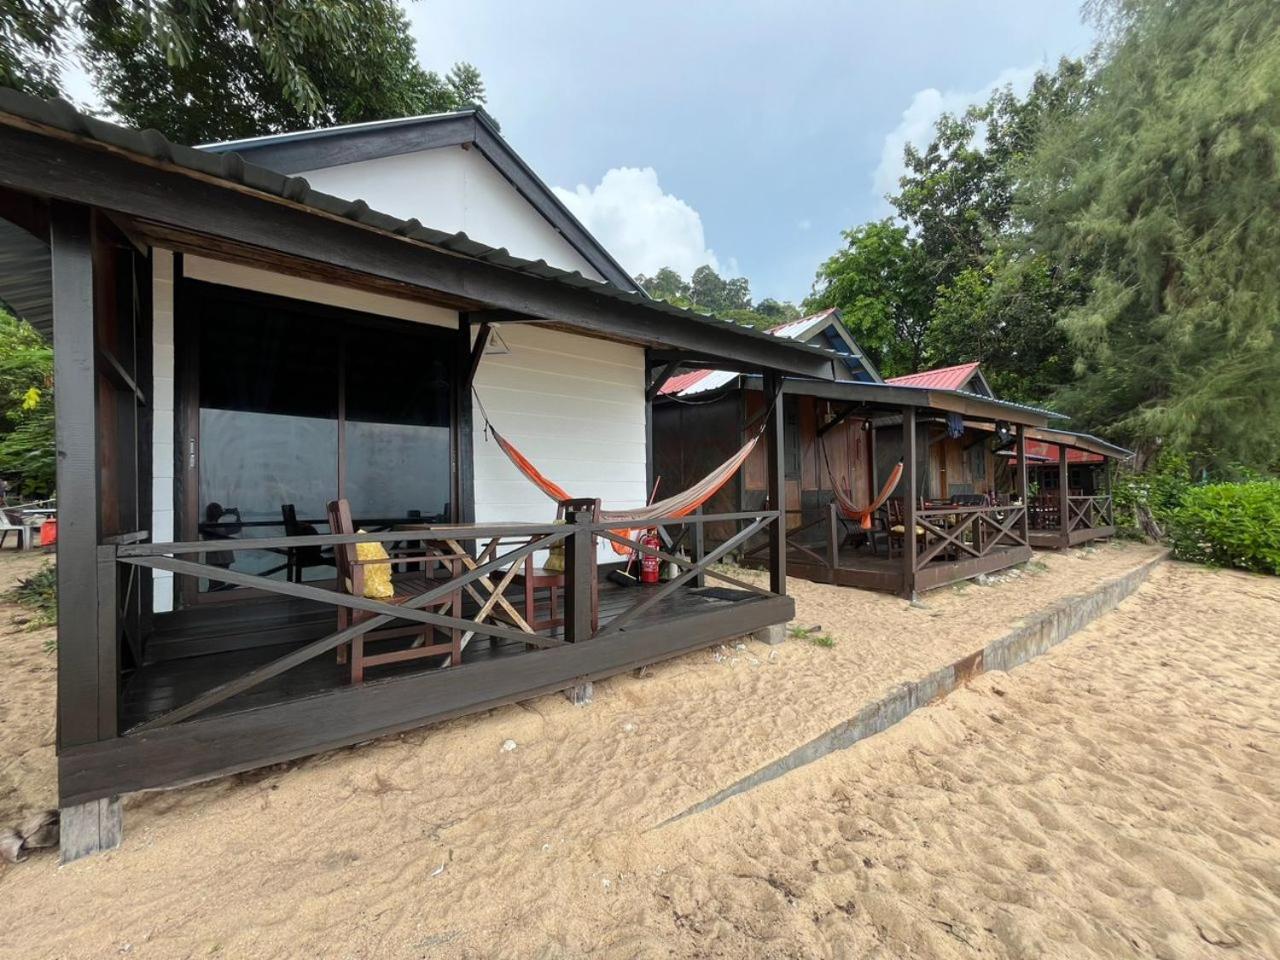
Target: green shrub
[[1229, 525]]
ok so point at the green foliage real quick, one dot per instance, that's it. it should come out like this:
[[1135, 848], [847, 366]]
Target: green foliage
[[39, 593], [707, 292], [26, 408], [880, 282], [1160, 489], [31, 45], [1165, 189], [948, 280], [1005, 315], [200, 70], [1230, 525]]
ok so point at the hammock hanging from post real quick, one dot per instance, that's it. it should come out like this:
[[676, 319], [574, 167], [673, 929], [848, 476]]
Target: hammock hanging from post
[[674, 507], [844, 496]]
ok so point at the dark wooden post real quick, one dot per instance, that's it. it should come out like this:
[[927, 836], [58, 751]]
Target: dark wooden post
[[1111, 503], [833, 542], [1064, 498], [580, 572], [909, 502], [699, 546], [87, 672], [775, 446], [1022, 484]]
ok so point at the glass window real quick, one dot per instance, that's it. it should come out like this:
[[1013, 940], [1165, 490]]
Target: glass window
[[398, 426], [268, 427], [297, 409]]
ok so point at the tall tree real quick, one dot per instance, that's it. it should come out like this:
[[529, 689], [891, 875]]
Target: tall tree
[[201, 70], [32, 35], [879, 280], [1168, 188], [708, 292]]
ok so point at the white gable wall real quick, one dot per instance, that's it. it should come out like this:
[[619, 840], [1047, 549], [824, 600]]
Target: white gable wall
[[454, 189], [575, 407]]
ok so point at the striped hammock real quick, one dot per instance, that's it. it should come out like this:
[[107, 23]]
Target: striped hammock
[[844, 498], [680, 505]]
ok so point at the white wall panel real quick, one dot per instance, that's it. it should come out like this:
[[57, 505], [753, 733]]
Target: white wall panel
[[454, 189]]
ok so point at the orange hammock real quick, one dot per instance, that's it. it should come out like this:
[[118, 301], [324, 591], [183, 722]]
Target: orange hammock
[[864, 514], [680, 505], [844, 497]]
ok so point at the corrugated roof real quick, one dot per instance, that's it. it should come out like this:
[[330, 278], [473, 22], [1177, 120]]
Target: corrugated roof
[[61, 115], [700, 381], [942, 378], [796, 329], [696, 381]]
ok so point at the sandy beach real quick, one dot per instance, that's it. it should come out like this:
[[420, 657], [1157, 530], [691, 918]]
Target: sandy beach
[[1120, 796]]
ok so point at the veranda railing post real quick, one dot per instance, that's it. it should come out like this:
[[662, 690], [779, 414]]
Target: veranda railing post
[[580, 572], [909, 502], [699, 546], [833, 543], [775, 445], [1111, 503], [1064, 498], [1024, 524]]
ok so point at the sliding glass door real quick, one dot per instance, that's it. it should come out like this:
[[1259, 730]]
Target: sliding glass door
[[292, 405]]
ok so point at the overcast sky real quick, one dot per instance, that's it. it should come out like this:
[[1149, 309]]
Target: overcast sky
[[747, 134], [744, 135]]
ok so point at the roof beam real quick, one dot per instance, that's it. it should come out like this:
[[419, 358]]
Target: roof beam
[[49, 164]]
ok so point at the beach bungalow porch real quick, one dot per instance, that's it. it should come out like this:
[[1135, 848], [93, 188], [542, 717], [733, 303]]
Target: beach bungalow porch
[[1071, 498], [257, 384], [851, 435]]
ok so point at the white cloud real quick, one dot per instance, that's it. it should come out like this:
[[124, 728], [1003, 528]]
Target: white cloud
[[916, 125], [643, 227]]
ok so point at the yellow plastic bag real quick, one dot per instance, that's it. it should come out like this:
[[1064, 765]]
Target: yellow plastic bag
[[377, 576]]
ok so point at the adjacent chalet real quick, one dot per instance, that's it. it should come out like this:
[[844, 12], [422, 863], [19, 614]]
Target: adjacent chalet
[[849, 517], [327, 472]]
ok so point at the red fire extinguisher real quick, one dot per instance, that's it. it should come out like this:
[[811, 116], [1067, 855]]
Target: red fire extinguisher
[[649, 563]]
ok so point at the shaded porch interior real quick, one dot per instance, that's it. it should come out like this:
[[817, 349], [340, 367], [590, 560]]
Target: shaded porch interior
[[195, 649]]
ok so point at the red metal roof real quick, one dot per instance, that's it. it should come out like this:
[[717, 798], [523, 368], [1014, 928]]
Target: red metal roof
[[683, 381], [1043, 452], [943, 378]]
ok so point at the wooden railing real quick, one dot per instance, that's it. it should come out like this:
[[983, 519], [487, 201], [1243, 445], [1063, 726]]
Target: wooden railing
[[1089, 513], [488, 556], [958, 533]]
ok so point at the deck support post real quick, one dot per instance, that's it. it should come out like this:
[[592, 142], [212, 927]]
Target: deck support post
[[1025, 524], [909, 503], [775, 446], [88, 828], [1064, 498], [580, 571], [699, 546]]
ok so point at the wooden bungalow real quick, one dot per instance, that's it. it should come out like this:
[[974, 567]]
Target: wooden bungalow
[[1069, 474], [1069, 477], [847, 437], [258, 383]]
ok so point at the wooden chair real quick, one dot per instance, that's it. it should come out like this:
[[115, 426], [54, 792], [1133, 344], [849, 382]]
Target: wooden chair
[[553, 581], [351, 579], [898, 528], [299, 558]]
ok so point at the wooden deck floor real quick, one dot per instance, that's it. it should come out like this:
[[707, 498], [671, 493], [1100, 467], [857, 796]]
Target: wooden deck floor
[[194, 650]]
